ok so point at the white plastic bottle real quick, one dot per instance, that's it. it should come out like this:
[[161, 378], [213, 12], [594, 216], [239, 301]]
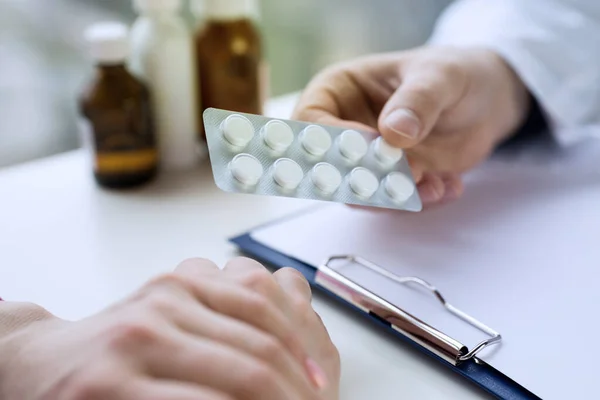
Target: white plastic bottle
[[162, 54]]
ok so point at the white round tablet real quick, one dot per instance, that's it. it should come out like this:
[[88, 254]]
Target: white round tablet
[[399, 186], [353, 146], [326, 177], [278, 135], [315, 140], [287, 173], [237, 130], [363, 182], [386, 153], [246, 169]]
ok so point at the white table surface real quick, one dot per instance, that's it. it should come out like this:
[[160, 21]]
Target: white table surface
[[75, 248]]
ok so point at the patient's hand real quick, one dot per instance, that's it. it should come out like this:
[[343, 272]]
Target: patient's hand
[[198, 333]]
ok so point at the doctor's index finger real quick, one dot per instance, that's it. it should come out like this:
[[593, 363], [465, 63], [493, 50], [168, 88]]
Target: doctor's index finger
[[336, 97]]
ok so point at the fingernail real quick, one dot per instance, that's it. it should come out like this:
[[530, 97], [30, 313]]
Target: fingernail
[[316, 373], [404, 122]]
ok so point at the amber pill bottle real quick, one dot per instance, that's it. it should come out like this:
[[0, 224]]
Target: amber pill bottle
[[231, 71], [117, 115]]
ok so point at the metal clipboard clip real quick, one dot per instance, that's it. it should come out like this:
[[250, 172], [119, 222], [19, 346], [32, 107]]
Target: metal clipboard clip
[[427, 336]]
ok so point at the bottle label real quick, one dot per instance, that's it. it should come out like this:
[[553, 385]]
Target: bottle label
[[126, 162]]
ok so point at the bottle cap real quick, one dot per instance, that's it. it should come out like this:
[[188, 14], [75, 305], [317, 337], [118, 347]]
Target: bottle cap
[[156, 5], [226, 9], [108, 42]]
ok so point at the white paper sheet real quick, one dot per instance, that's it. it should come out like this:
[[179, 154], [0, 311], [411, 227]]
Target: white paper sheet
[[521, 252]]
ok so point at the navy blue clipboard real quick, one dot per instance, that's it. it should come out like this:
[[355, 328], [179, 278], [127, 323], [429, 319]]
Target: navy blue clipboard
[[483, 375]]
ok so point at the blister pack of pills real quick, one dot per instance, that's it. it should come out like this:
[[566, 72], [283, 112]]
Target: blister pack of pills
[[273, 157]]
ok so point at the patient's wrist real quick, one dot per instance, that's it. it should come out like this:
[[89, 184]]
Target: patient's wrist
[[17, 316], [19, 323]]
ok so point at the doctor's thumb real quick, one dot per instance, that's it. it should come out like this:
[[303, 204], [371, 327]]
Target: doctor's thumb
[[412, 111]]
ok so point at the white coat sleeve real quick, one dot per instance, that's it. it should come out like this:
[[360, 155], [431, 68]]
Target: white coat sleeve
[[553, 45]]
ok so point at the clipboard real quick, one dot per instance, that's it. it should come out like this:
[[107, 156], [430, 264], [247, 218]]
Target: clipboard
[[409, 329]]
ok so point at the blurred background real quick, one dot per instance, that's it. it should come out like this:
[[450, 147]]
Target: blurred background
[[43, 62]]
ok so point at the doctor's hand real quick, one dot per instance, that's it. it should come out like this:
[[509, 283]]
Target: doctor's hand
[[199, 333], [449, 108]]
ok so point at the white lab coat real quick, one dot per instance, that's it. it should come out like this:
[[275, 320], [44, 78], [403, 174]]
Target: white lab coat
[[554, 46]]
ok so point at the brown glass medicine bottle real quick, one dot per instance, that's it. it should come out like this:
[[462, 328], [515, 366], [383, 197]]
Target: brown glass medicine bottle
[[230, 60], [116, 106]]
